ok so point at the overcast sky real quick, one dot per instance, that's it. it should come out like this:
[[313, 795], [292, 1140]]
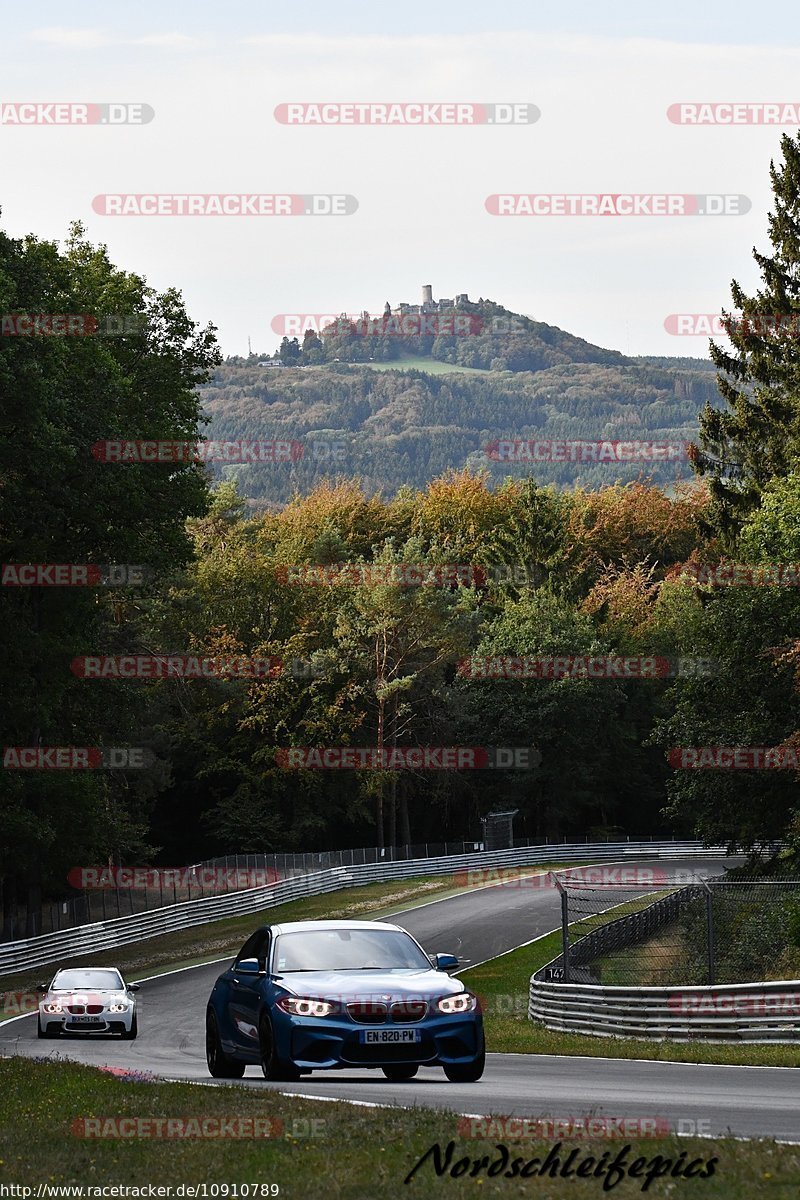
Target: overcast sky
[[603, 76]]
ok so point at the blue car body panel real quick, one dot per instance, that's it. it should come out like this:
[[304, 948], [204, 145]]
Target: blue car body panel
[[349, 1037]]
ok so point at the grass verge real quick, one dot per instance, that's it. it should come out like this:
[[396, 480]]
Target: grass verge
[[503, 983], [355, 1153]]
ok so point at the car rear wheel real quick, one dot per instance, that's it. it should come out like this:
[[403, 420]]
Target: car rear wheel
[[274, 1068], [399, 1072], [129, 1034], [46, 1031], [220, 1065], [467, 1072]]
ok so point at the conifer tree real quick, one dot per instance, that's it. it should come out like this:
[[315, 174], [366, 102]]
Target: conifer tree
[[755, 438]]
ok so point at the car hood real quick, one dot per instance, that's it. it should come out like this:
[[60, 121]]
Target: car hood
[[87, 995], [372, 985]]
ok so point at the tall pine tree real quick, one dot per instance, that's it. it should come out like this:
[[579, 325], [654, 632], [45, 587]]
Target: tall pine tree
[[757, 436]]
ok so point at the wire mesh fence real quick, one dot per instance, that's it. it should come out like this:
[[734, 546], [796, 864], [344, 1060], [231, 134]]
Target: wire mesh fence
[[659, 928], [120, 893]]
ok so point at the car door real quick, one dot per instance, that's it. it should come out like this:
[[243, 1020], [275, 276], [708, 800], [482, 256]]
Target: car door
[[245, 992]]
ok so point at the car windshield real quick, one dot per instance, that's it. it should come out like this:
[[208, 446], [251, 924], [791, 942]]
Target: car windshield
[[66, 981], [348, 950]]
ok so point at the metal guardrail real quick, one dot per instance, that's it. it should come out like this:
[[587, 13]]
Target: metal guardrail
[[159, 887], [743, 1012], [121, 931], [735, 1012]]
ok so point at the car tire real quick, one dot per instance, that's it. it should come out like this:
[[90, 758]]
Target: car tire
[[400, 1072], [220, 1064], [129, 1034], [46, 1031], [273, 1067], [467, 1072]]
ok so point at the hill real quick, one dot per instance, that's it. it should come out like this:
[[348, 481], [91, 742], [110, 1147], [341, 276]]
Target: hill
[[506, 398]]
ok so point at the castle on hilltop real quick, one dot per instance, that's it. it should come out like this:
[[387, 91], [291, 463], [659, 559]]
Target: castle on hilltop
[[428, 305]]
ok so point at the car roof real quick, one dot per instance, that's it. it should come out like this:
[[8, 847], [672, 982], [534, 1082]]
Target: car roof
[[310, 926], [92, 970]]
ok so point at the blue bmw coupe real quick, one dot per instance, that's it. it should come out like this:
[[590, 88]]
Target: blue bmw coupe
[[320, 995]]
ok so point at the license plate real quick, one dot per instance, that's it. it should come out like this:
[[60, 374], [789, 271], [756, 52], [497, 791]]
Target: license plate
[[86, 1021], [388, 1036]]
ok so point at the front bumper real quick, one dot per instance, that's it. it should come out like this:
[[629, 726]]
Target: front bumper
[[104, 1022], [330, 1042]]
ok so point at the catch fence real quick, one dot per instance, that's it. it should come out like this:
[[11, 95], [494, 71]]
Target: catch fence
[[670, 931]]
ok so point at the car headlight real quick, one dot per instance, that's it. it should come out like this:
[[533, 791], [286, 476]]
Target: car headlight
[[300, 1006], [460, 1003], [119, 1006], [52, 1007]]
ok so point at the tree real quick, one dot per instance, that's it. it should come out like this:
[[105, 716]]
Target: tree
[[60, 503], [747, 701], [394, 642], [589, 731], [289, 352], [750, 634], [754, 439]]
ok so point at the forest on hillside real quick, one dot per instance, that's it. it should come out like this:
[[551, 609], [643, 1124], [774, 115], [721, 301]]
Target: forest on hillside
[[404, 428]]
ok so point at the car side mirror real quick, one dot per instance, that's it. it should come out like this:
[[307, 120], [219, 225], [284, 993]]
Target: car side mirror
[[248, 966], [41, 987], [445, 962], [134, 987]]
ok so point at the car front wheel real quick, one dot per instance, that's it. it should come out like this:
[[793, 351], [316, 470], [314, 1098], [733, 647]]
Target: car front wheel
[[220, 1065], [400, 1072], [273, 1067], [46, 1031], [129, 1034], [467, 1072]]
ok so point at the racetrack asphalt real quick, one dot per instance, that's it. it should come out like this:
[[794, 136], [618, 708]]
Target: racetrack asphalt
[[477, 925]]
